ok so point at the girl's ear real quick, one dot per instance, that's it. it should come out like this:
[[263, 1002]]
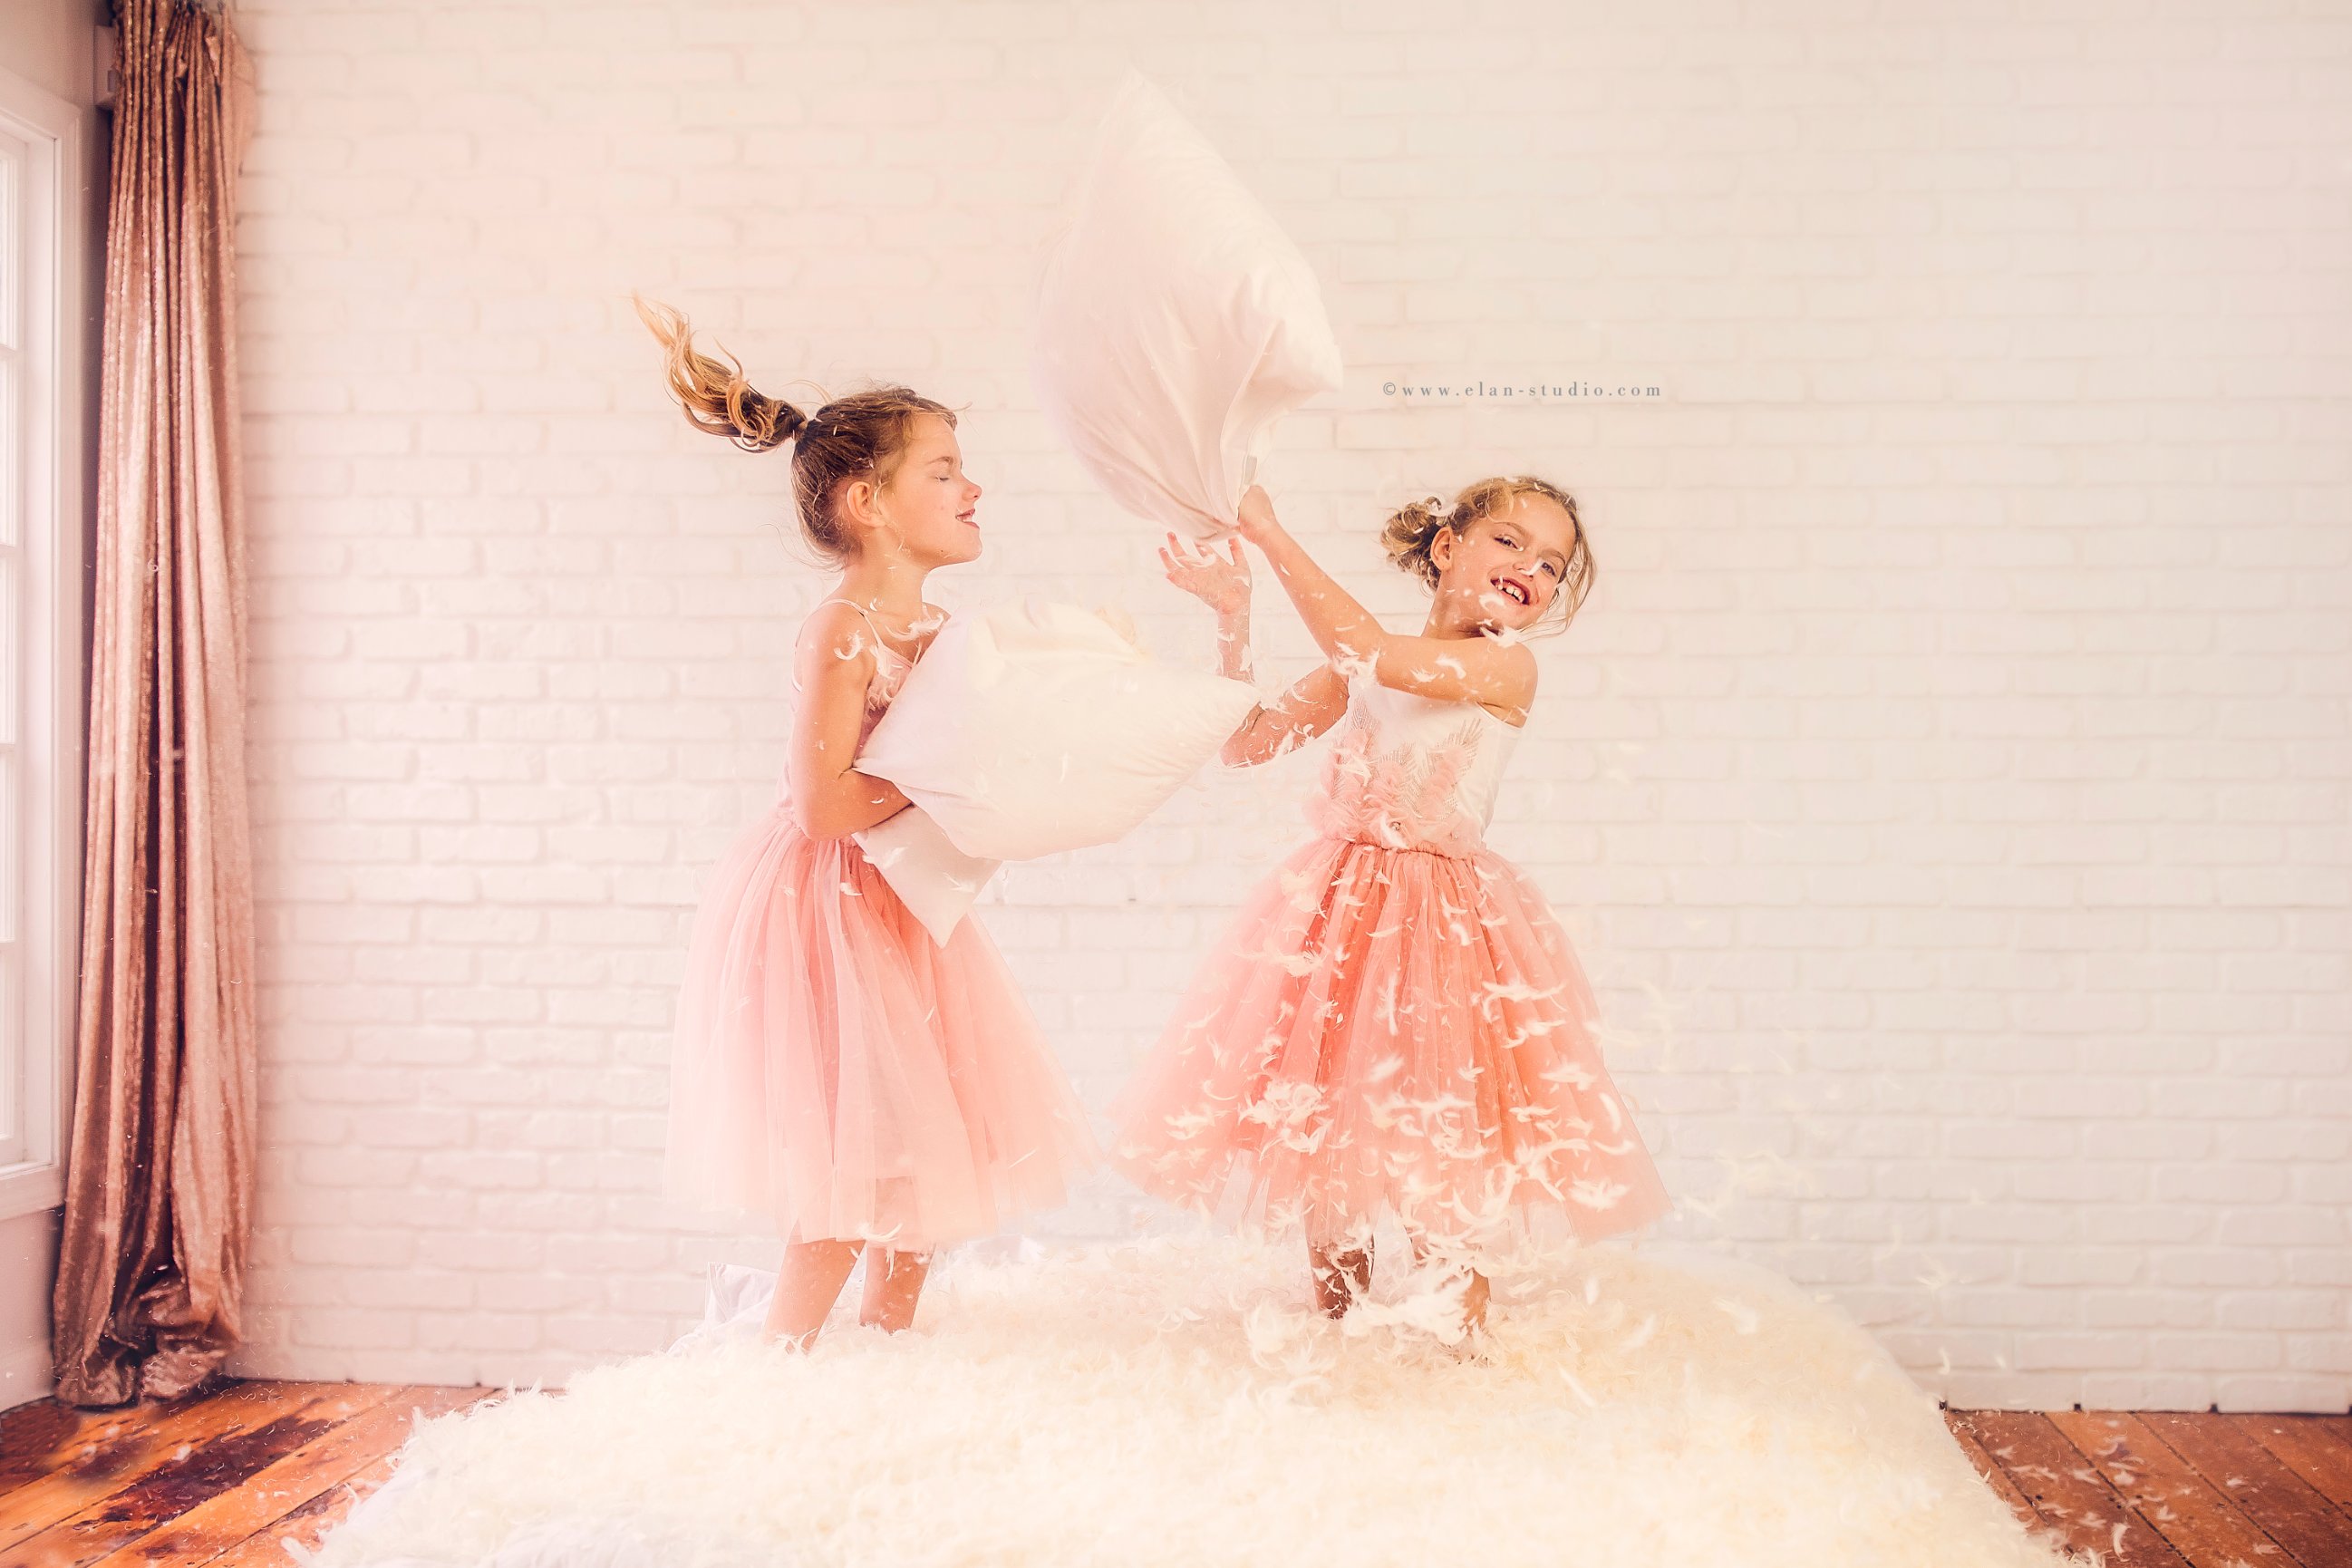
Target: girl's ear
[[859, 504], [1440, 547]]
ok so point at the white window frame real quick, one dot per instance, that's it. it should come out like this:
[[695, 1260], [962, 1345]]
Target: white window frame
[[43, 855]]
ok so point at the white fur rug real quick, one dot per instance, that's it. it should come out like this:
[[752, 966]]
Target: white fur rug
[[1174, 1403]]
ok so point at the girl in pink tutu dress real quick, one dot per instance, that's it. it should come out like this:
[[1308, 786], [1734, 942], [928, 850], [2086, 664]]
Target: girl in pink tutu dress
[[834, 1069], [1395, 1022]]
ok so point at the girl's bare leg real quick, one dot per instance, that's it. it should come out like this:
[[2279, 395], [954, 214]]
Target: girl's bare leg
[[806, 1286], [894, 1282], [1342, 1274]]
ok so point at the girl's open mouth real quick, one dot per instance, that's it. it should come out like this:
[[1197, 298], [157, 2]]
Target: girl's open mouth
[[1514, 590]]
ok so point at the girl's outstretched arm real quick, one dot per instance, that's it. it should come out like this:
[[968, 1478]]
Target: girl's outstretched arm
[[1311, 706], [1487, 671], [835, 660]]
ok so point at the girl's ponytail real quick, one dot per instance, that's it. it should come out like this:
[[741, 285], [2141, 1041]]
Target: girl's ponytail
[[717, 397], [863, 436]]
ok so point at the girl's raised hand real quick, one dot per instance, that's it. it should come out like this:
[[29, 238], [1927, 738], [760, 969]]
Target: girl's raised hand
[[1222, 582]]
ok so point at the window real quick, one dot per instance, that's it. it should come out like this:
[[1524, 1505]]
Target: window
[[45, 454]]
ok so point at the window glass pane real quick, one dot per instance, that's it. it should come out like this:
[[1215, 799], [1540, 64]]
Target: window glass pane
[[12, 449], [12, 797], [12, 242], [11, 1062], [15, 409], [11, 621]]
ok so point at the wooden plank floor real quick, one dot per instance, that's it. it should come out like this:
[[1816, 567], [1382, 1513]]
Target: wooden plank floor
[[229, 1478]]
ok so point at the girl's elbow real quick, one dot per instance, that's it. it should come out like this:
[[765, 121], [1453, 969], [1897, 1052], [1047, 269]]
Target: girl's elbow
[[816, 822], [1260, 748]]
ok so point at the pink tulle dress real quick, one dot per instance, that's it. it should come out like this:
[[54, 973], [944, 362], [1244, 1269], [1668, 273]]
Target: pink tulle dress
[[838, 1070], [1394, 1022]]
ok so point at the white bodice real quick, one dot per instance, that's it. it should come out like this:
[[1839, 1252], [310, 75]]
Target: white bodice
[[1411, 772]]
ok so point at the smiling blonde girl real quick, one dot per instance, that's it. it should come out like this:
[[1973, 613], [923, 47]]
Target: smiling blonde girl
[[1394, 1022]]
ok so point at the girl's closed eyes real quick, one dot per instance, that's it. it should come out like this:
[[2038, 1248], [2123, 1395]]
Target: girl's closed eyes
[[871, 1091]]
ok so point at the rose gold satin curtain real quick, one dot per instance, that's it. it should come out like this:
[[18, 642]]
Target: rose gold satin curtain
[[160, 1171]]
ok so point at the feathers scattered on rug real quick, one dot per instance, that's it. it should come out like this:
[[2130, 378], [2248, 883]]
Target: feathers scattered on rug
[[1176, 1401]]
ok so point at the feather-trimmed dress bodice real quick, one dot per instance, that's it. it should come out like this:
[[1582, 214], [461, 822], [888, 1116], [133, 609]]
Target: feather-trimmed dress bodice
[[1411, 772]]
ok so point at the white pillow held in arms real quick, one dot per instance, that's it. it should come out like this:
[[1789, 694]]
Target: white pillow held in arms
[[935, 880], [1028, 729]]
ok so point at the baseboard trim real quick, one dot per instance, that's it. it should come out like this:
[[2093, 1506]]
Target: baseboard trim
[[26, 1375]]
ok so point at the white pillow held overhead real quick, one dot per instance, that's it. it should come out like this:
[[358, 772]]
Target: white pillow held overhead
[[1176, 321], [1029, 730]]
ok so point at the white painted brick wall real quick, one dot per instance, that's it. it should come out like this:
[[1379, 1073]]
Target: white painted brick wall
[[1947, 785]]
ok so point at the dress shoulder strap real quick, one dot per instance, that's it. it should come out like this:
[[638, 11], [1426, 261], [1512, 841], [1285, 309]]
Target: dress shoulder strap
[[867, 616]]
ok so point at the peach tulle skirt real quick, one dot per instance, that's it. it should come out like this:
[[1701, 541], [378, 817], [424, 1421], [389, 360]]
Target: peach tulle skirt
[[1397, 1030], [838, 1070]]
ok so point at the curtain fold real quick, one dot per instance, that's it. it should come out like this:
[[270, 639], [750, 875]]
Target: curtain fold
[[159, 1168]]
